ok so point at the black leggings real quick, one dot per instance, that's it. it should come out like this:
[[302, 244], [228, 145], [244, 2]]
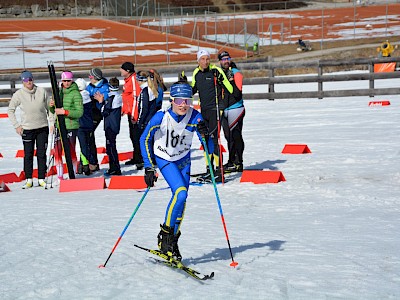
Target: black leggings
[[29, 138]]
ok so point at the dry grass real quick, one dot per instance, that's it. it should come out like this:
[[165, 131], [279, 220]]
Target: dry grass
[[285, 50]]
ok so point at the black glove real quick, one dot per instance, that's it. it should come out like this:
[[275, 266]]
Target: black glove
[[150, 176], [219, 76], [229, 74], [202, 128]]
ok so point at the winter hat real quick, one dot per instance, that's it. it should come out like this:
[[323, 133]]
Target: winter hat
[[181, 90], [128, 66], [67, 75], [114, 84], [25, 75], [201, 53], [96, 73], [81, 84], [223, 54]]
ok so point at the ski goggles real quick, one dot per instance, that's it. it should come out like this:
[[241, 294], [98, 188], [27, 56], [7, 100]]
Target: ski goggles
[[27, 79], [180, 101]]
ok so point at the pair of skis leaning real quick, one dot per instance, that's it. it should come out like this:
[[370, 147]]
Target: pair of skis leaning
[[176, 264]]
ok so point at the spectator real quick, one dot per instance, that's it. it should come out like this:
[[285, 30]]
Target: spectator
[[209, 80], [130, 94], [85, 127], [111, 110], [98, 85], [234, 114], [161, 88], [33, 127], [72, 110]]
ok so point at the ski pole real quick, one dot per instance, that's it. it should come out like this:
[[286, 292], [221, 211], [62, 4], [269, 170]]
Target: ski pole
[[50, 158], [221, 160], [203, 141], [126, 227]]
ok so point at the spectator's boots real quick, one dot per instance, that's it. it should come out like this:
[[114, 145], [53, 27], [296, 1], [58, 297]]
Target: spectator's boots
[[28, 184], [86, 170], [94, 168], [80, 168]]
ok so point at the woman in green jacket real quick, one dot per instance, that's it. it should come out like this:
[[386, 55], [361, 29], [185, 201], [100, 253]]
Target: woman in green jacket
[[72, 109]]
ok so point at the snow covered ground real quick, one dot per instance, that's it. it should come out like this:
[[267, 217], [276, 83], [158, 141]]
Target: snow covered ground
[[330, 231]]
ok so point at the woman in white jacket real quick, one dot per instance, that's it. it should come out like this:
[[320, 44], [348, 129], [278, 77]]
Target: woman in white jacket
[[33, 127]]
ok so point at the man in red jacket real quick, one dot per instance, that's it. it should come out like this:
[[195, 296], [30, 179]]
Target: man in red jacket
[[130, 108]]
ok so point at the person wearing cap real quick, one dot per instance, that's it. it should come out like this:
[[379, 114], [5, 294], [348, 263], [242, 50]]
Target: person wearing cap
[[111, 111], [166, 142], [130, 94], [85, 128], [33, 125], [72, 110], [234, 113], [97, 85], [209, 81]]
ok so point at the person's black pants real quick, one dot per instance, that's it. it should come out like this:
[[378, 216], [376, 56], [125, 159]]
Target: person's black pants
[[29, 138]]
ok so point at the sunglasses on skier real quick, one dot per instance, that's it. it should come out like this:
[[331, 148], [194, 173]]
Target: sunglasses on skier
[[27, 79], [180, 101]]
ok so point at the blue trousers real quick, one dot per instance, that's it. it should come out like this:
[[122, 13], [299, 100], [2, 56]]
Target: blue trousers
[[177, 175]]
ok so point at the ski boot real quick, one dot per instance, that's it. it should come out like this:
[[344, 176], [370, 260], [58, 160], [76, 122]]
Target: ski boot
[[165, 240]]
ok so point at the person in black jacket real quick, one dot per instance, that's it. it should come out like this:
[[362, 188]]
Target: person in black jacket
[[210, 80], [111, 111], [234, 114]]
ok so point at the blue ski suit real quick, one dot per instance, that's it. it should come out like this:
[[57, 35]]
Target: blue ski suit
[[175, 163]]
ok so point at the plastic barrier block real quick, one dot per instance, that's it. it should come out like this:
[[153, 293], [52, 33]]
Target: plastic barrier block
[[82, 184], [261, 176], [127, 182], [3, 187], [296, 149], [101, 150], [222, 147], [3, 116], [10, 178], [21, 153], [384, 67], [379, 103], [121, 157]]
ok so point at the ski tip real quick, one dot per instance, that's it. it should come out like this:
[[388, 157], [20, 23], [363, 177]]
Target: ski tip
[[234, 264]]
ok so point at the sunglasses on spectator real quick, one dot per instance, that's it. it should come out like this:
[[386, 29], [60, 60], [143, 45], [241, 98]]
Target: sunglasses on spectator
[[180, 101], [66, 80], [226, 59], [27, 79]]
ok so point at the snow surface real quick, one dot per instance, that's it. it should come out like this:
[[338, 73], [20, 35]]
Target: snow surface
[[330, 231]]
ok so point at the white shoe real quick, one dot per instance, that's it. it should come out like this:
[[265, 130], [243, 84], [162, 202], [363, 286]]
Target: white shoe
[[28, 184], [42, 183]]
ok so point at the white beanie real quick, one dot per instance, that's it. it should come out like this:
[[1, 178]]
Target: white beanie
[[201, 53], [81, 83]]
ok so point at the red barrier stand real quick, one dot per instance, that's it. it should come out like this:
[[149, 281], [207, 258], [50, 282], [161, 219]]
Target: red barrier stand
[[82, 184], [121, 157], [10, 178], [3, 187], [379, 103], [127, 182], [101, 150], [222, 147], [3, 116], [296, 149], [261, 176]]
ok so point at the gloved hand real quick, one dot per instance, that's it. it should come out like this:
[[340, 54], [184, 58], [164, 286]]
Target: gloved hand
[[202, 128], [219, 76], [150, 176], [229, 74]]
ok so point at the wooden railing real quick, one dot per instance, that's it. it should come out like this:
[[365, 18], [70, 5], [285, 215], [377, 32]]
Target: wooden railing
[[272, 81]]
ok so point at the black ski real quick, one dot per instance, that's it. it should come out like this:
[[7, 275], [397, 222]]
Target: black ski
[[176, 264], [61, 120]]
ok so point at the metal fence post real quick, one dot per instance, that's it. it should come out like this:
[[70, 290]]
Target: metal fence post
[[23, 50]]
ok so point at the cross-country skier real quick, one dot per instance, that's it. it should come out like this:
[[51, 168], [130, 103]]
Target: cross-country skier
[[166, 142]]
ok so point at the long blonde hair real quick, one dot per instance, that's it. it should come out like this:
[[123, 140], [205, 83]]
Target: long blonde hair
[[150, 82]]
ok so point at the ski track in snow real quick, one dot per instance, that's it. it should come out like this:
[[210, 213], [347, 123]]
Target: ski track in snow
[[330, 231]]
